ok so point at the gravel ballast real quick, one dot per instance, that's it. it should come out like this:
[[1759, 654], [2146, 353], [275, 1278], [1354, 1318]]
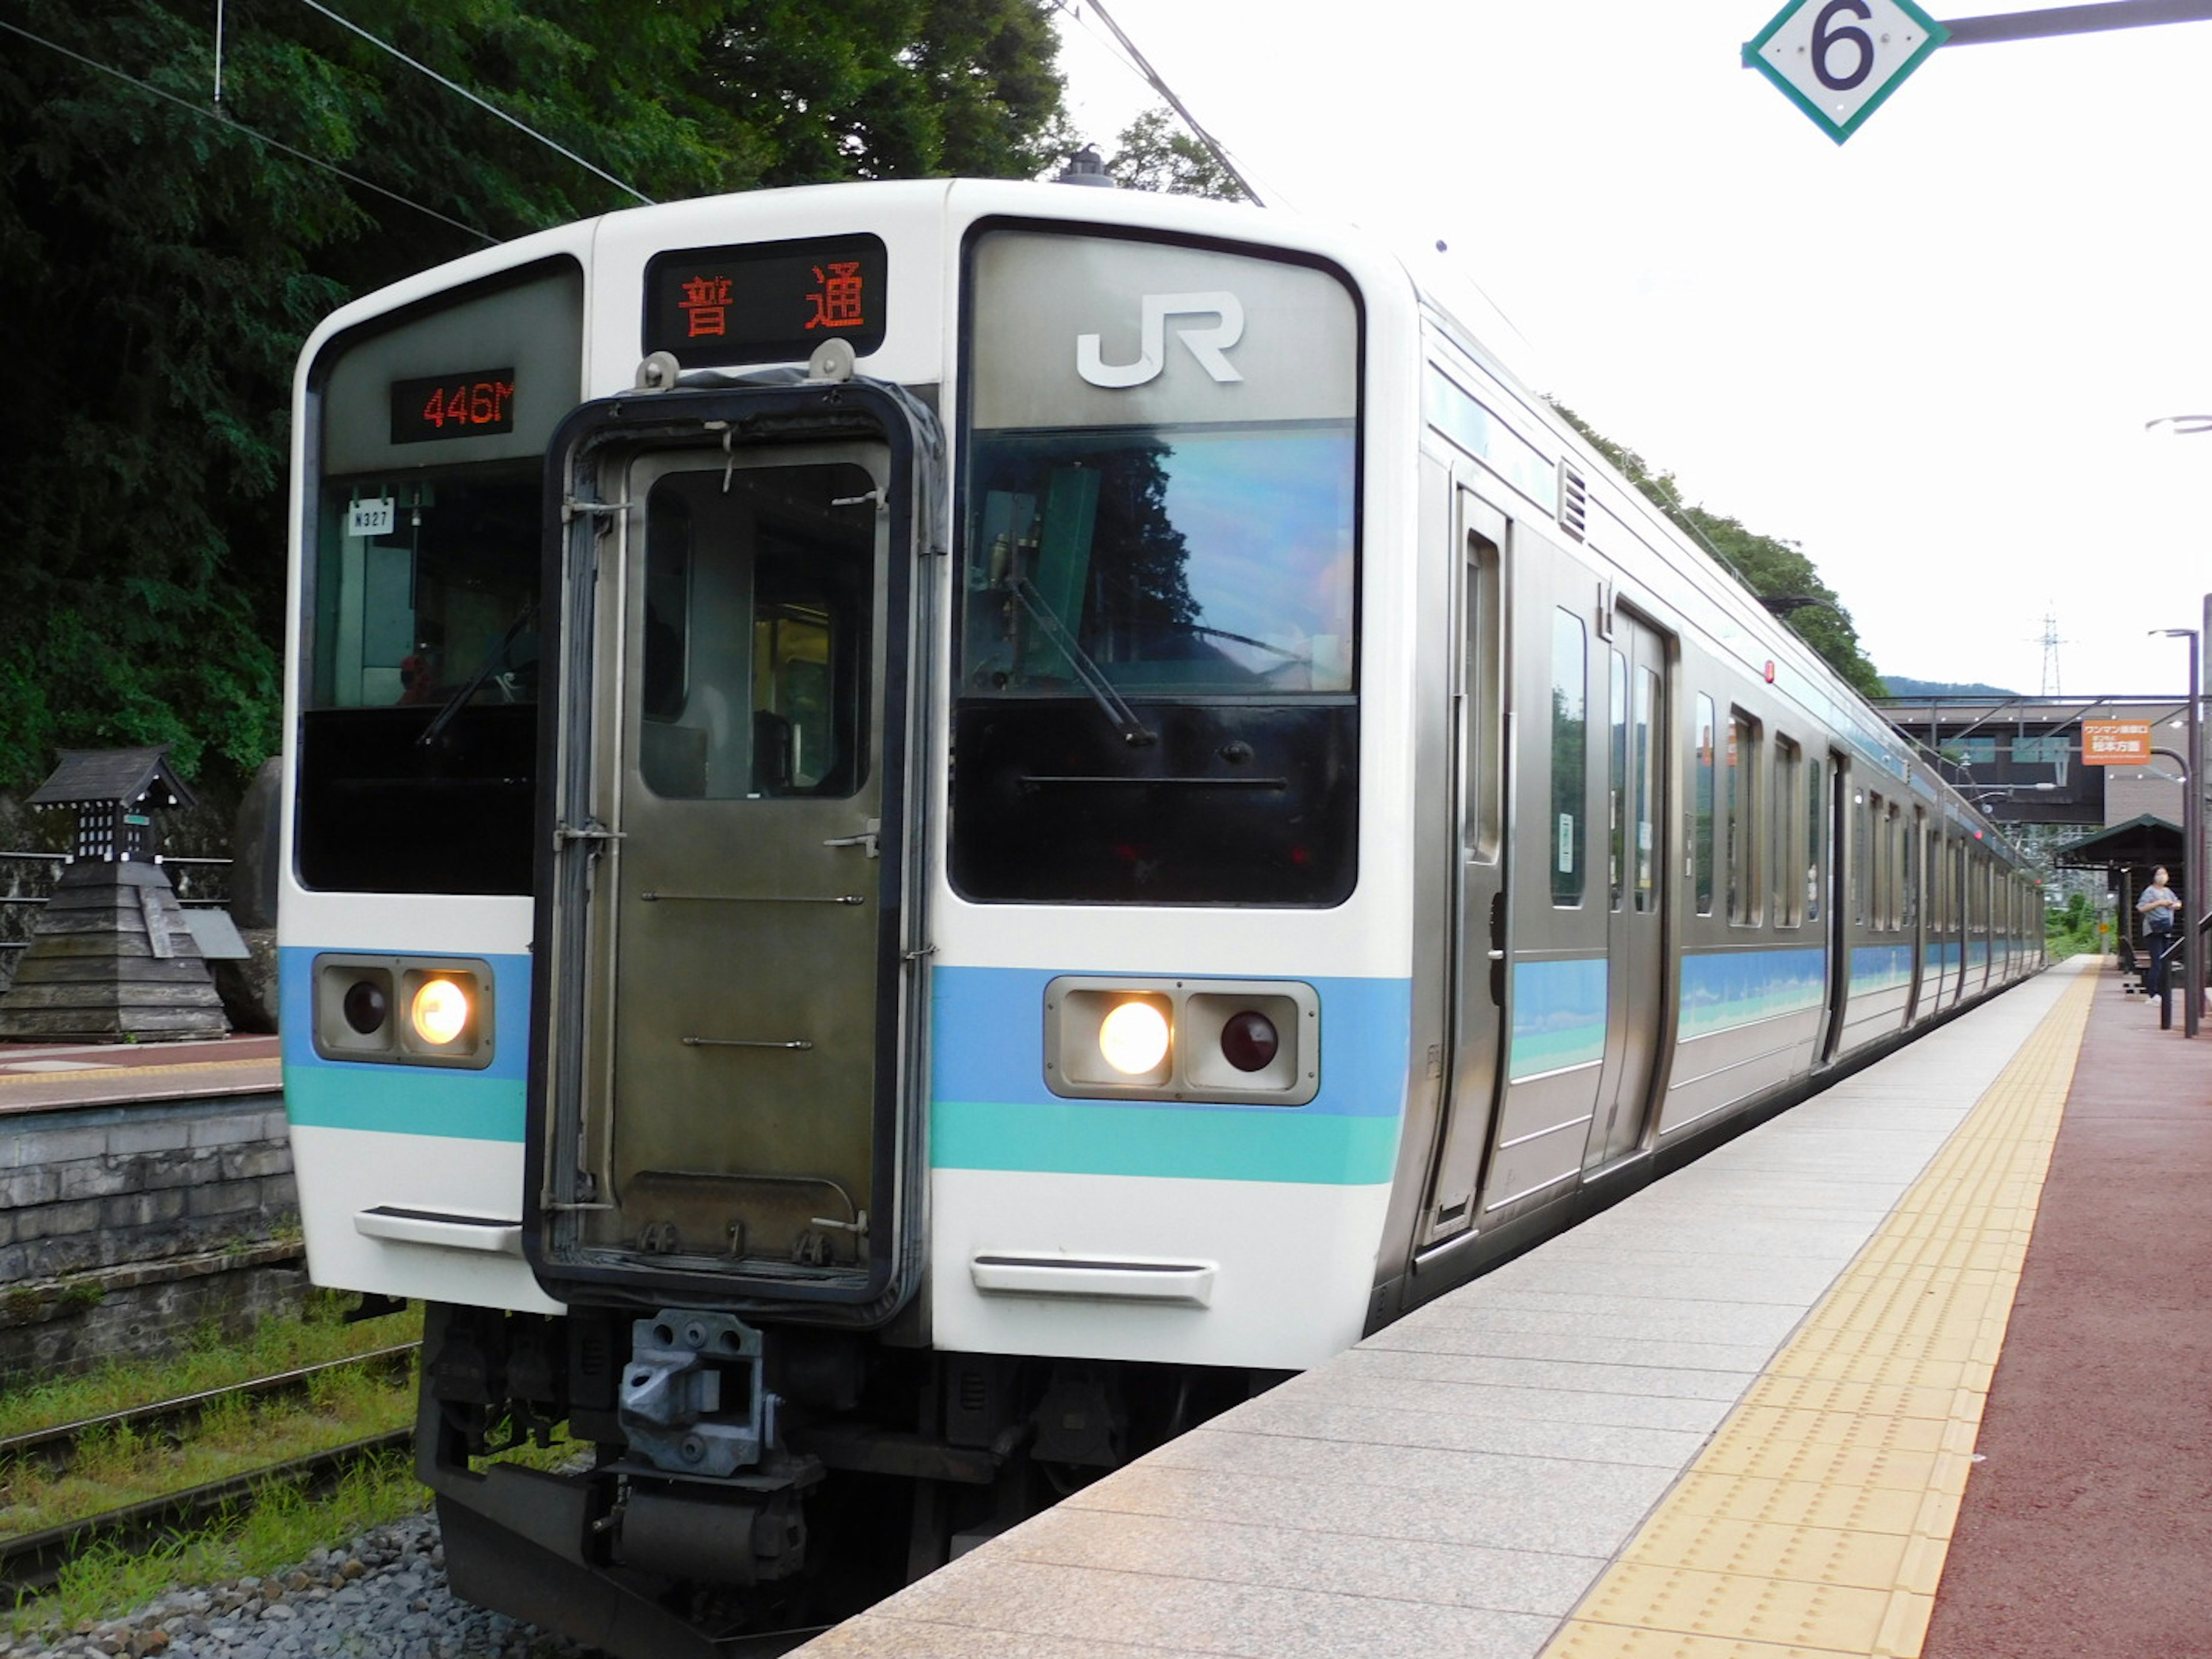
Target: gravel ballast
[[382, 1596]]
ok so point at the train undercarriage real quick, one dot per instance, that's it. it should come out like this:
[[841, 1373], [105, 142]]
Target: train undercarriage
[[728, 1488]]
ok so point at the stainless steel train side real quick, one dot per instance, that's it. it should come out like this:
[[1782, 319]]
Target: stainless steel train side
[[1676, 874]]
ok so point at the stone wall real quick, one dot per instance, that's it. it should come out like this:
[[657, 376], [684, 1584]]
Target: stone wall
[[124, 1227]]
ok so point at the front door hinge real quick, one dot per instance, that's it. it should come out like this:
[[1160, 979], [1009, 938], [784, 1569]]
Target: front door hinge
[[591, 831]]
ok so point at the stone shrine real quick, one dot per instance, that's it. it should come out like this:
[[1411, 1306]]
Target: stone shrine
[[111, 958]]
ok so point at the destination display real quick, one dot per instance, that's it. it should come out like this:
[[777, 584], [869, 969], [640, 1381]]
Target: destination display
[[472, 403], [765, 302]]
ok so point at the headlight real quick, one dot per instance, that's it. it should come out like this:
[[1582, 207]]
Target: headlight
[[1249, 1041], [1233, 1040], [367, 1002], [1134, 1038], [439, 1011], [404, 1010]]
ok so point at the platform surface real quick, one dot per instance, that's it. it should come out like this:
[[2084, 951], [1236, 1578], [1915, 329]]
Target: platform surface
[[36, 1077], [1733, 1418]]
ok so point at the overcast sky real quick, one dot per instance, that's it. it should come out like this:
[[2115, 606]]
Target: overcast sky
[[1927, 355]]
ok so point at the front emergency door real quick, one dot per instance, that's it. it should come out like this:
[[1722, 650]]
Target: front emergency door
[[744, 972]]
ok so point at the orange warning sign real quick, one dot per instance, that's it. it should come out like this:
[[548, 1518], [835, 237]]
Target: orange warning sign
[[2114, 742]]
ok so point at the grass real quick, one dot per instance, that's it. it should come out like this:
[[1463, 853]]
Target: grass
[[211, 1359], [116, 1466], [120, 1465], [280, 1526]]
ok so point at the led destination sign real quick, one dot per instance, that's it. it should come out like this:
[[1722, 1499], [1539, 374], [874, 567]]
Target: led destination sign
[[471, 404], [765, 302]]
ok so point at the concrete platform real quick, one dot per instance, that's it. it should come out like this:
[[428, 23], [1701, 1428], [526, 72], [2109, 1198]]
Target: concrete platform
[[39, 1078], [1735, 1415]]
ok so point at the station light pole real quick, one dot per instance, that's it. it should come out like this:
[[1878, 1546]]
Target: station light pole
[[2192, 837], [2193, 861]]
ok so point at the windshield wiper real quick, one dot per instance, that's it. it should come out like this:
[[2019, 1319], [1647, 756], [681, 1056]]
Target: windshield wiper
[[474, 684], [1135, 731]]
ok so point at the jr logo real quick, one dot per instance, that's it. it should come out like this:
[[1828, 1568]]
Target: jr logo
[[1206, 344]]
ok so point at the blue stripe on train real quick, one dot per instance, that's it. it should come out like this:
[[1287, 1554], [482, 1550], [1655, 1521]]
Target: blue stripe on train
[[1558, 1015], [1721, 989], [439, 1101], [991, 1110]]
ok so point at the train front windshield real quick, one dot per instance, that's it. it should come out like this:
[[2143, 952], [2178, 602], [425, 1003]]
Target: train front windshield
[[419, 726], [1156, 690]]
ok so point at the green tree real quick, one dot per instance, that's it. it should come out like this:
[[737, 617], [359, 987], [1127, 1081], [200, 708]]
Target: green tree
[[1154, 153], [1771, 568], [160, 263]]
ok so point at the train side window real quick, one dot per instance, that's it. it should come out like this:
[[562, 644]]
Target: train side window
[[1570, 757], [1858, 859], [1701, 833], [1744, 907], [1645, 812], [1788, 834], [1485, 677], [1816, 828], [1910, 868], [1896, 851], [1877, 839], [1617, 781]]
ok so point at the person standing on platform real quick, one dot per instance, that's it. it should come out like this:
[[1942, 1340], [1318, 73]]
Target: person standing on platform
[[2158, 907]]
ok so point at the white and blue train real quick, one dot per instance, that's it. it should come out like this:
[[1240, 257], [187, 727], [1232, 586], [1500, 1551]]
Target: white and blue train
[[934, 827]]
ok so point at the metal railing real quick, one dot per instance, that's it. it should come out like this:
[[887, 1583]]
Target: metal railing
[[15, 902]]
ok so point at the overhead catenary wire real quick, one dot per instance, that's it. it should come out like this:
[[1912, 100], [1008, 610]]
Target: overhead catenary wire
[[1143, 67], [229, 124], [455, 87]]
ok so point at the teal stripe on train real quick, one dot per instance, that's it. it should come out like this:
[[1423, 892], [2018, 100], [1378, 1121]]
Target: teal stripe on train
[[1723, 989], [404, 1100], [1077, 1137], [1559, 1015]]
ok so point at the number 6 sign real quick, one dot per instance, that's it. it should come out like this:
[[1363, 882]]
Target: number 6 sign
[[1837, 59]]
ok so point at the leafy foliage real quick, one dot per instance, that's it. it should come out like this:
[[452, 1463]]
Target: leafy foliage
[[1153, 153], [2073, 930], [160, 263], [1771, 569], [1899, 686]]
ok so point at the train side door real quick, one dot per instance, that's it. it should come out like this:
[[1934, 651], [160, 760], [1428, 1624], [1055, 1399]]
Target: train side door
[[729, 1102], [1837, 880], [1640, 761], [1480, 809]]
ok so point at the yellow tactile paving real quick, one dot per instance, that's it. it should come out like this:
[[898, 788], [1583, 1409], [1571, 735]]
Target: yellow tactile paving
[[1816, 1522], [99, 1073]]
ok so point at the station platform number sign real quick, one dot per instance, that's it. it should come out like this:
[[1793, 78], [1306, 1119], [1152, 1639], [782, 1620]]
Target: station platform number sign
[[1836, 60], [2114, 742]]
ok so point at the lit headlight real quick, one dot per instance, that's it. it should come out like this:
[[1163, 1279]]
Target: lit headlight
[[439, 1011], [1134, 1038], [1108, 1038], [404, 1010]]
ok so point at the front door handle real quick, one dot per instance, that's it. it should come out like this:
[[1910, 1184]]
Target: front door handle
[[866, 838]]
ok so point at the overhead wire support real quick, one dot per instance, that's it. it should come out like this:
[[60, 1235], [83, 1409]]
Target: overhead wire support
[[1152, 78], [2074, 20], [456, 87]]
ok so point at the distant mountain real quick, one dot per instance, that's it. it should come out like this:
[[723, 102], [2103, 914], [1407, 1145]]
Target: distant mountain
[[1899, 686]]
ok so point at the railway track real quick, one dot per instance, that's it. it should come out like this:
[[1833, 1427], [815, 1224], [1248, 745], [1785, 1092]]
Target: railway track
[[31, 1562]]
